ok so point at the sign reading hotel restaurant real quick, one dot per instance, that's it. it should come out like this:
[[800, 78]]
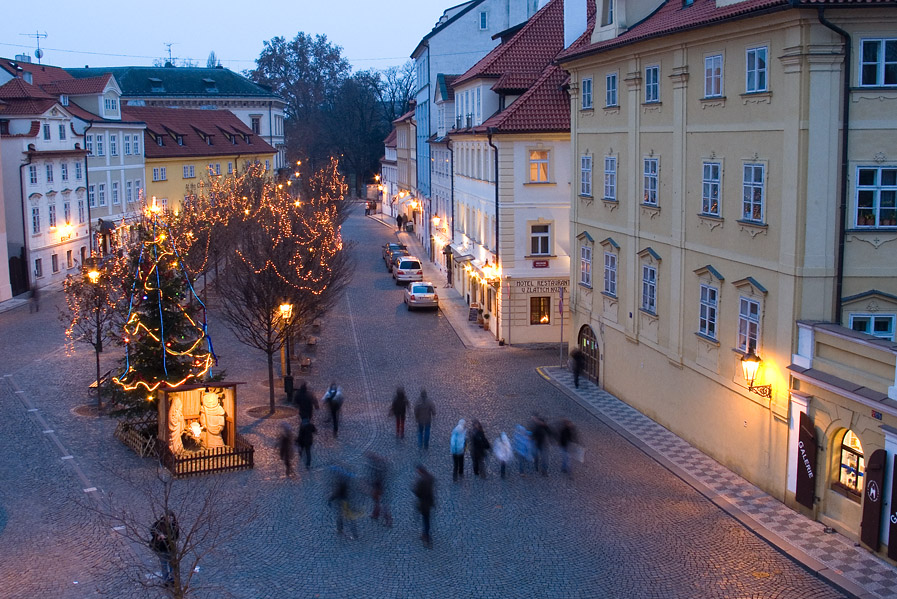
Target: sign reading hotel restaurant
[[874, 483], [541, 285], [806, 462]]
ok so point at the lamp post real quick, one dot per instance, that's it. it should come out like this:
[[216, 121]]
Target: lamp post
[[94, 277], [286, 311], [750, 363]]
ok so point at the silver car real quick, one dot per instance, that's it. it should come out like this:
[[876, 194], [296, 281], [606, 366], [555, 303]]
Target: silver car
[[421, 295], [407, 269]]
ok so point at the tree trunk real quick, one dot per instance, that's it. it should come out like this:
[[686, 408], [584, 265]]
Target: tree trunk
[[271, 379], [99, 385]]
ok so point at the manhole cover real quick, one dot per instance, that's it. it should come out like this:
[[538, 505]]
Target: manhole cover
[[280, 412]]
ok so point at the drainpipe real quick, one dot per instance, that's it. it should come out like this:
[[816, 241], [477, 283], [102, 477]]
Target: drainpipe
[[845, 132], [489, 133]]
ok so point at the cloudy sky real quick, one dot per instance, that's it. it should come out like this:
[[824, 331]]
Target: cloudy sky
[[372, 34]]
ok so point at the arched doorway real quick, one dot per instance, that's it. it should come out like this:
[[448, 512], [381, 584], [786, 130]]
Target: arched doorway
[[588, 345]]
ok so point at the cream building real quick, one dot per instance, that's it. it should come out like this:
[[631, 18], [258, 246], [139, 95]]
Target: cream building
[[723, 215]]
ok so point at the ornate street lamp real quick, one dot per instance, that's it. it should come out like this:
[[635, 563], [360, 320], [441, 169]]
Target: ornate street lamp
[[286, 312], [750, 363]]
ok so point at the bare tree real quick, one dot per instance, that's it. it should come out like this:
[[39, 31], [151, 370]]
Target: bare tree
[[396, 90], [203, 514], [212, 61]]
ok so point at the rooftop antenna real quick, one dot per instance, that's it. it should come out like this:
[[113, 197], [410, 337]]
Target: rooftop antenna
[[37, 35], [169, 44]]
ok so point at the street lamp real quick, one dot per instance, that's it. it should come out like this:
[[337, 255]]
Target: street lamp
[[286, 312], [750, 363], [94, 277]]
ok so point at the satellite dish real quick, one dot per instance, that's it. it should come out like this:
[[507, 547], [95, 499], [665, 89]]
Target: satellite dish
[[39, 53]]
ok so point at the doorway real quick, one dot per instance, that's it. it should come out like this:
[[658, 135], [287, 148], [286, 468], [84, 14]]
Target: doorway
[[588, 345]]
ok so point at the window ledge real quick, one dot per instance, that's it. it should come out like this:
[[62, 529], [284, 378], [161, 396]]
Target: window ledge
[[652, 210], [753, 228], [610, 203], [649, 314], [585, 285], [845, 492], [885, 229], [615, 109], [713, 100], [539, 256], [652, 103], [586, 196], [707, 339], [758, 97], [587, 109], [609, 296], [540, 183], [712, 221]]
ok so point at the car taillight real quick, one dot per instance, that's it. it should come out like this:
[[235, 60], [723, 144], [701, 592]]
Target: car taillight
[[420, 272], [435, 297], [400, 272], [411, 297]]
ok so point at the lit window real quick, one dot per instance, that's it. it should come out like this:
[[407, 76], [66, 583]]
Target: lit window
[[650, 181], [540, 310], [755, 76], [748, 324], [752, 204], [540, 240], [710, 185], [538, 166], [878, 62], [709, 303], [876, 197], [853, 464]]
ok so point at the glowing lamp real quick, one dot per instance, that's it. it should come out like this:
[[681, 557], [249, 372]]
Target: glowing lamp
[[286, 310], [750, 363], [94, 276]]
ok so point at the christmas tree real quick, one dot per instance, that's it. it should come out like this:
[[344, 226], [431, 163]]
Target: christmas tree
[[164, 332]]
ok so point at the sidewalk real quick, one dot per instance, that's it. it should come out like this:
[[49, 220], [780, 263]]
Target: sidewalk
[[451, 304], [830, 556]]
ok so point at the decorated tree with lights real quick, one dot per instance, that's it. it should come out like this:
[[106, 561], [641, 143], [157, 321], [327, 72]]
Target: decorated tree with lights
[[164, 332]]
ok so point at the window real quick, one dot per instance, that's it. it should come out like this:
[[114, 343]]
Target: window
[[61, 131], [51, 213], [159, 173], [160, 140], [267, 166], [538, 166], [127, 145], [115, 199], [610, 178], [64, 171], [78, 173], [38, 267], [35, 220], [101, 194], [49, 173], [876, 197], [652, 84], [99, 145], [709, 303], [138, 190], [585, 265], [129, 192], [748, 324], [587, 93], [880, 325], [111, 104], [710, 189], [92, 196], [64, 100], [32, 174], [67, 212], [607, 13], [755, 76], [255, 123], [853, 464], [649, 289], [610, 273], [484, 21], [190, 171], [180, 140], [54, 262], [230, 168], [540, 310], [713, 76], [752, 206], [878, 62], [585, 176], [69, 259], [81, 212], [113, 145], [610, 90], [650, 181], [88, 144], [46, 132], [539, 240], [136, 145]]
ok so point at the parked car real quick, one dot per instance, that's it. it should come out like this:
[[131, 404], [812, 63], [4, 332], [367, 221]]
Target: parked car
[[421, 295], [388, 248], [407, 269], [395, 256]]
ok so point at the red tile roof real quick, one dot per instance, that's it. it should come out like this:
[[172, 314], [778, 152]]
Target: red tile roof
[[406, 116], [185, 122], [77, 87], [17, 89], [545, 107], [40, 73], [390, 141]]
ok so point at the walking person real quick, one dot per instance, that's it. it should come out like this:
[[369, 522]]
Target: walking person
[[479, 447], [523, 446], [541, 435], [398, 409], [458, 445], [578, 361], [502, 450], [341, 493], [333, 399], [423, 413], [378, 470], [566, 441], [164, 535], [34, 305], [305, 439], [399, 220], [307, 403], [425, 491], [285, 447]]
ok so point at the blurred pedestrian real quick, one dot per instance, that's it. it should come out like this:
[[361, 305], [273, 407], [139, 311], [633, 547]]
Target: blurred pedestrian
[[423, 413], [398, 409], [425, 491], [305, 439], [566, 441], [399, 220], [479, 447], [578, 361], [34, 305], [164, 535], [502, 450], [333, 399], [458, 445], [341, 494], [285, 447], [523, 446], [307, 403], [378, 470], [541, 435]]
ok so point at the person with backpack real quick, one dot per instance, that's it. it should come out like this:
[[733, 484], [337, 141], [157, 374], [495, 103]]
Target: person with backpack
[[458, 445], [164, 542], [333, 399], [502, 450]]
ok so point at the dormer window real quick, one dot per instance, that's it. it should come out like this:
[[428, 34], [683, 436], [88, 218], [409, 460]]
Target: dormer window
[[111, 104], [210, 86], [64, 100], [607, 13], [180, 140], [28, 77], [160, 140], [156, 85]]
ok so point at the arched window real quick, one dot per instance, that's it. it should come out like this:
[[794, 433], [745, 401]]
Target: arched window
[[853, 465]]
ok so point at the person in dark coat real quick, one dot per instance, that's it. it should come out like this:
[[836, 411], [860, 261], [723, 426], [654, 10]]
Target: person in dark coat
[[398, 409], [541, 435], [399, 221], [307, 403], [304, 440], [479, 446], [566, 441], [578, 361], [423, 413], [378, 470], [425, 491], [333, 399], [285, 447], [164, 535]]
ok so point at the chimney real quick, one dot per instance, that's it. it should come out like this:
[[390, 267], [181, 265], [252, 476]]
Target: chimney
[[574, 20]]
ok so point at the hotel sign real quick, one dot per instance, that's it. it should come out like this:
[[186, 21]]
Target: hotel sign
[[540, 263], [541, 285]]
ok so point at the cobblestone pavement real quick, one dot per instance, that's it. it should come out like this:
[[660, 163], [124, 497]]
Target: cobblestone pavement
[[623, 526]]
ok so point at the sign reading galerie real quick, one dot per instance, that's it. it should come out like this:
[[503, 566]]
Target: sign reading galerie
[[806, 462]]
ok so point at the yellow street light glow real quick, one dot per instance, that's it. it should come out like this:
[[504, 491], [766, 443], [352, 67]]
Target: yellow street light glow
[[94, 276], [286, 310]]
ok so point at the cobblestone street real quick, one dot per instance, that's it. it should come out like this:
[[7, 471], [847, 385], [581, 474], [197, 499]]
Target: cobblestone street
[[624, 526]]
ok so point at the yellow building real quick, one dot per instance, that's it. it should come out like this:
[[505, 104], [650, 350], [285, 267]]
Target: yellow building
[[725, 215], [184, 147]]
